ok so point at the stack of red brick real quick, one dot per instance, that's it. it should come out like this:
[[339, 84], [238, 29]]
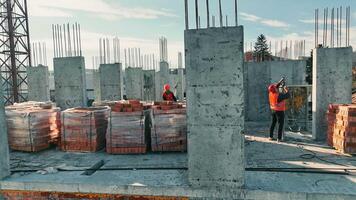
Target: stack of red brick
[[84, 129], [169, 127], [125, 133], [32, 126], [342, 128]]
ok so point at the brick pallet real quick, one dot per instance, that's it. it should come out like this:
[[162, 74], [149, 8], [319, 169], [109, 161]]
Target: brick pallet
[[32, 126], [342, 128], [126, 133], [169, 132], [84, 129]]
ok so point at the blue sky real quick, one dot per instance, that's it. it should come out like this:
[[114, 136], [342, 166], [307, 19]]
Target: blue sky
[[139, 23]]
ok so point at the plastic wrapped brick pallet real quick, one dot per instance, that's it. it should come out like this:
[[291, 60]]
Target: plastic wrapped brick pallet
[[84, 129], [343, 128], [32, 125], [169, 132], [126, 134]]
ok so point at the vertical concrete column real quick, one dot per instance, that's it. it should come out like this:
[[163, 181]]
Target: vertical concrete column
[[110, 81], [164, 74], [70, 84], [134, 83], [38, 83], [149, 88], [4, 145], [158, 88], [96, 80], [332, 83], [215, 102]]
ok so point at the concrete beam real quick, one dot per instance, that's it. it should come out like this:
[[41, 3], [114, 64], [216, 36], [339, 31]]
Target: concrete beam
[[332, 83], [215, 98]]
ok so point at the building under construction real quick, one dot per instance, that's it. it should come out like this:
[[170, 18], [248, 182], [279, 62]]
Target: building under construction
[[107, 132]]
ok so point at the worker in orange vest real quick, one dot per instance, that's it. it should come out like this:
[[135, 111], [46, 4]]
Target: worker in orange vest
[[167, 94], [278, 94]]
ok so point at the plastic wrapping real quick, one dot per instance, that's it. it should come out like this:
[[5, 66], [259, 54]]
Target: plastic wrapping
[[32, 126], [169, 129], [84, 129]]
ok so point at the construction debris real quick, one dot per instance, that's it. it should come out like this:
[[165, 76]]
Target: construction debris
[[84, 129], [342, 128], [32, 126], [169, 127]]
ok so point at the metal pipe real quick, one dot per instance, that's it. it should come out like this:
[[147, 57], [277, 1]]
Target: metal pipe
[[207, 13], [220, 13], [236, 13], [77, 35], [65, 40], [74, 42], [69, 41], [186, 15], [196, 14], [54, 45]]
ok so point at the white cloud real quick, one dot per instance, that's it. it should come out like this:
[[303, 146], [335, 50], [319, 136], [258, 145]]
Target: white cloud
[[64, 8], [264, 21], [321, 21], [275, 23]]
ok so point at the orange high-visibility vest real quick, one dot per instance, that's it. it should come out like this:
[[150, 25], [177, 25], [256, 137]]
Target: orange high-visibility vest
[[273, 101]]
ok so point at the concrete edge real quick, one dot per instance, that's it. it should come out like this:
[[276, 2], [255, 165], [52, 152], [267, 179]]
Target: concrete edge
[[178, 191]]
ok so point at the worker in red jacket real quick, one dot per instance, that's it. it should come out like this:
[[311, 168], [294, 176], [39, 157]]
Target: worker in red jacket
[[278, 94], [167, 94]]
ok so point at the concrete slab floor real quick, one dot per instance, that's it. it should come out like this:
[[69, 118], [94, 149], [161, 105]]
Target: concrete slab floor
[[166, 174]]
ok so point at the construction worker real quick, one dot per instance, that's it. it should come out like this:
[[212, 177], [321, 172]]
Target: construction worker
[[278, 94], [167, 94]]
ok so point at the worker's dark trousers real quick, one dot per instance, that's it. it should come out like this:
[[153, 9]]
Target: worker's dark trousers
[[277, 116]]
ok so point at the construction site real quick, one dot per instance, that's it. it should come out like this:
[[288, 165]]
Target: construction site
[[131, 121]]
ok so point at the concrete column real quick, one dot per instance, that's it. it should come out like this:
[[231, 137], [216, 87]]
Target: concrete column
[[96, 80], [215, 102], [134, 83], [149, 88], [4, 145], [158, 88], [332, 83], [70, 84], [110, 81], [38, 83], [180, 88], [164, 74]]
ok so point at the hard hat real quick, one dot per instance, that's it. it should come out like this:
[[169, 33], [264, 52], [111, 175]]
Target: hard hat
[[167, 87], [272, 88]]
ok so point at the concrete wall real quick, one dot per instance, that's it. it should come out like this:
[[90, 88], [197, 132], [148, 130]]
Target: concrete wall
[[259, 75], [149, 85], [4, 146], [96, 84], [38, 83], [176, 80], [111, 81], [215, 102], [70, 84], [134, 83], [164, 76], [332, 83], [158, 88]]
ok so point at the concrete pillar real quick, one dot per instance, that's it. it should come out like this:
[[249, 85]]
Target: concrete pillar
[[134, 83], [96, 80], [38, 83], [4, 145], [111, 81], [158, 88], [332, 83], [70, 84], [180, 88], [163, 73], [149, 88], [215, 102]]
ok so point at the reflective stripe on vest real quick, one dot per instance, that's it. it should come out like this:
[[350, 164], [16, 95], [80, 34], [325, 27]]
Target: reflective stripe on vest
[[273, 101]]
